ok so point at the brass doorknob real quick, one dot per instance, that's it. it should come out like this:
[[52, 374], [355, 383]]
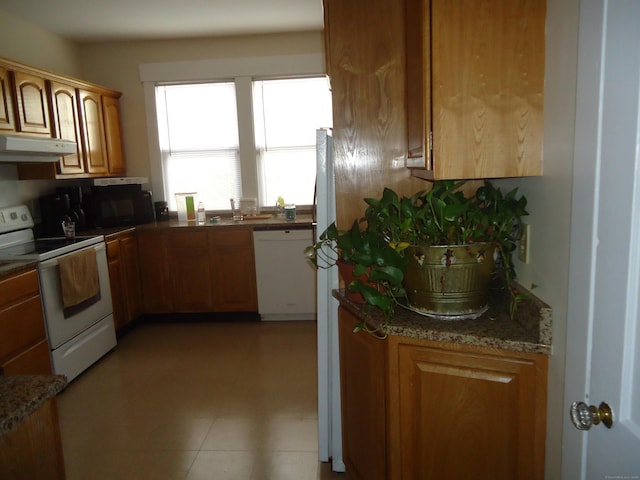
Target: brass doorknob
[[584, 416]]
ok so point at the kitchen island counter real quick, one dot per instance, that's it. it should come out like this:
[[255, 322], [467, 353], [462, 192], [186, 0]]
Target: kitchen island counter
[[22, 395], [529, 331]]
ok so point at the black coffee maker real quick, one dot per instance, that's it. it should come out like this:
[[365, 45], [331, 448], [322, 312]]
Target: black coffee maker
[[66, 202], [53, 209], [76, 211]]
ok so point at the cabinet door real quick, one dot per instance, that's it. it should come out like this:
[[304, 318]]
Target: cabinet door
[[154, 271], [235, 271], [191, 270], [113, 137], [7, 121], [33, 105], [93, 138], [115, 280], [66, 125], [363, 385], [130, 264], [469, 415], [482, 63]]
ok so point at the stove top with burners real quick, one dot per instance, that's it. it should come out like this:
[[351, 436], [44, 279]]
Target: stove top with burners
[[18, 243]]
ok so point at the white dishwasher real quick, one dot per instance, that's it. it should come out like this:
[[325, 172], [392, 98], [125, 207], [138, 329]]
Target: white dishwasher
[[286, 280]]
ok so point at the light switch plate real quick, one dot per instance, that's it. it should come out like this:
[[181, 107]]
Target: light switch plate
[[524, 243]]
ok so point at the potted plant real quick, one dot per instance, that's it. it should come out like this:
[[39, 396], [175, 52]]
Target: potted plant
[[372, 270], [451, 242]]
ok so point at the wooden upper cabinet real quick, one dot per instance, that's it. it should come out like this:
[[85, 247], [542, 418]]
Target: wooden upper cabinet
[[115, 154], [94, 144], [66, 125], [480, 66], [7, 122], [32, 103]]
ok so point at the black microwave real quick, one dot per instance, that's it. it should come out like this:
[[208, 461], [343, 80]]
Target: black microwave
[[118, 205]]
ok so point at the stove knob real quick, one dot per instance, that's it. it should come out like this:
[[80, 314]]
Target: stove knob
[[24, 217], [13, 215]]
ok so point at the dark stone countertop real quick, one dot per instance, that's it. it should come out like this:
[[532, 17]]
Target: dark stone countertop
[[303, 220], [10, 267], [530, 331], [21, 395]]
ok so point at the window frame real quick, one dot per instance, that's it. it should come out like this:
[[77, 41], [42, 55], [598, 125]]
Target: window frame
[[242, 71]]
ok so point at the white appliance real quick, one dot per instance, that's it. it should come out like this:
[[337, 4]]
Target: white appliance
[[329, 413], [79, 335], [15, 148], [286, 280]]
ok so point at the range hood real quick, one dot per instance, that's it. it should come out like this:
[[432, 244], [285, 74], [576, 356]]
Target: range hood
[[14, 148]]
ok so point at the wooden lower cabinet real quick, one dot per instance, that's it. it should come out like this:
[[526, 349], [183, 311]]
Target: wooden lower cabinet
[[235, 271], [154, 271], [23, 343], [124, 278], [451, 411], [363, 363], [192, 282], [197, 270], [33, 449]]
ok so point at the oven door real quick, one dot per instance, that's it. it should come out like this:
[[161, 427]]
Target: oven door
[[61, 327]]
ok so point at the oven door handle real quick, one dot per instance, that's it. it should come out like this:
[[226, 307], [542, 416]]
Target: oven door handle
[[53, 262]]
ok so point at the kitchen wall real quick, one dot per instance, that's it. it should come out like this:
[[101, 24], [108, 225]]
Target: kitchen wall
[[32, 45], [549, 199], [115, 65]]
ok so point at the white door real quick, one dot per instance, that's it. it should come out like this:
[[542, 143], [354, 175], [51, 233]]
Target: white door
[[603, 336]]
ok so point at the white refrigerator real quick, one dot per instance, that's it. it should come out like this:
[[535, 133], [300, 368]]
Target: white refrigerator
[[329, 420]]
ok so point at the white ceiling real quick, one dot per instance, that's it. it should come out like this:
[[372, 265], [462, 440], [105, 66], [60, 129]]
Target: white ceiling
[[86, 21]]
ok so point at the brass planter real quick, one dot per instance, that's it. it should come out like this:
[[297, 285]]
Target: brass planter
[[449, 281]]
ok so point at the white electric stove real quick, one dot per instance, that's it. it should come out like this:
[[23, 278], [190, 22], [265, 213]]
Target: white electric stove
[[80, 335]]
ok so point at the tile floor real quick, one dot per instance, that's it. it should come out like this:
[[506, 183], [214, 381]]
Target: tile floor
[[198, 400]]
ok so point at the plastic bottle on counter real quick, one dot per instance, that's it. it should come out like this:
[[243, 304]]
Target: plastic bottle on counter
[[202, 217]]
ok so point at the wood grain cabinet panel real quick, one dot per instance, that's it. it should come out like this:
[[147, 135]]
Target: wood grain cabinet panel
[[192, 275], [7, 119], [32, 103], [131, 281], [469, 415], [363, 390], [93, 137], [66, 125], [475, 87], [425, 410], [33, 449], [155, 276], [113, 135], [124, 277], [23, 343], [235, 271]]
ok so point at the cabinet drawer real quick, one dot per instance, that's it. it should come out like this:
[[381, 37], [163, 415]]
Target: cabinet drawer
[[21, 325], [33, 361], [19, 286], [189, 239], [233, 238]]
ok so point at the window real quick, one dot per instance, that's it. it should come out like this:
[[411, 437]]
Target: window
[[198, 133], [216, 143], [286, 116]]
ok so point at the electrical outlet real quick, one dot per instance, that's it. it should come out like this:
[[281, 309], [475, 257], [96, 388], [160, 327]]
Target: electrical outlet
[[523, 245]]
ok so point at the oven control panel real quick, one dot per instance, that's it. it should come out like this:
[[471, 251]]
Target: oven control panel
[[15, 218]]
